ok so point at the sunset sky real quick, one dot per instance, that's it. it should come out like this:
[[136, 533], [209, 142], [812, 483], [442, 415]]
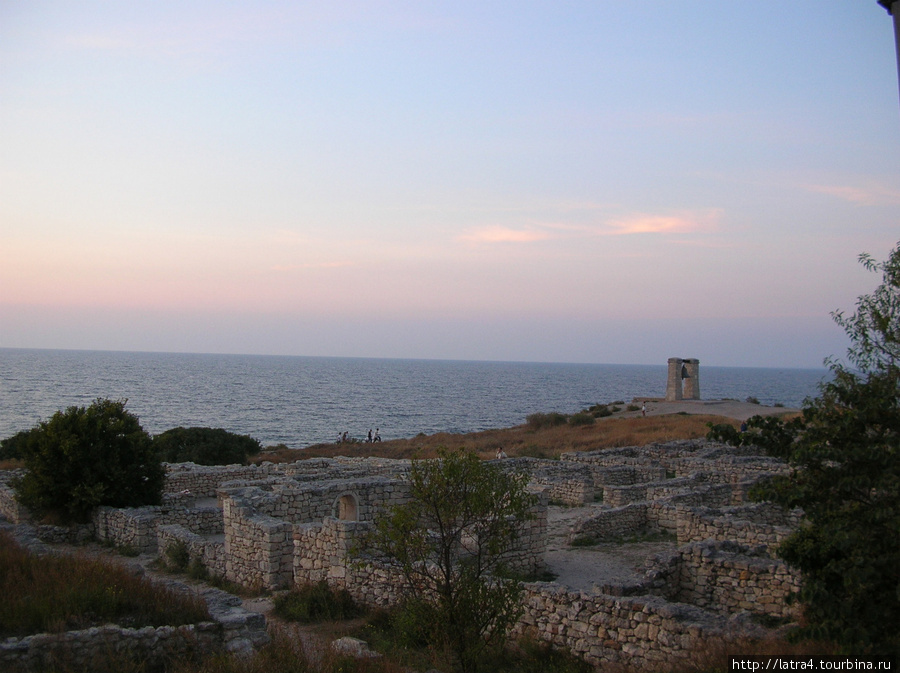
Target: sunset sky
[[603, 181]]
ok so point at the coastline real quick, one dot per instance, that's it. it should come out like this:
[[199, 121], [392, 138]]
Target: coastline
[[739, 411]]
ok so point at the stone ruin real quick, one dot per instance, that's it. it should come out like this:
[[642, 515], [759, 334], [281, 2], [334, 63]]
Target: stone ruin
[[275, 526], [684, 380]]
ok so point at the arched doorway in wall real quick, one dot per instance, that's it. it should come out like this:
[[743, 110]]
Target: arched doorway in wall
[[346, 507]]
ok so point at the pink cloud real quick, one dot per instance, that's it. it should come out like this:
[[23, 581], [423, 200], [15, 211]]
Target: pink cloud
[[863, 196], [681, 223], [504, 235]]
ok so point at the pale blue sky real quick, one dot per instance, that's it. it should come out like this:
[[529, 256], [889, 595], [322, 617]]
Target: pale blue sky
[[605, 181]]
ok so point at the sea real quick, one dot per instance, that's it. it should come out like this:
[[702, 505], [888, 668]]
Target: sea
[[301, 401]]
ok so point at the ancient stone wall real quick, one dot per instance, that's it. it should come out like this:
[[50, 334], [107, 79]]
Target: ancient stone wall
[[209, 552], [258, 547], [746, 525], [641, 631], [565, 482], [608, 524], [80, 650], [726, 578], [137, 527], [9, 506]]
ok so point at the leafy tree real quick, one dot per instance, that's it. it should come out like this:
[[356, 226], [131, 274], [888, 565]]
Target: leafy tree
[[204, 446], [11, 448], [451, 540], [85, 457], [845, 451]]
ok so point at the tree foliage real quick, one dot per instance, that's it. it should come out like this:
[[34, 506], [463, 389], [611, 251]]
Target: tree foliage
[[12, 448], [452, 541], [845, 451], [204, 446], [88, 456]]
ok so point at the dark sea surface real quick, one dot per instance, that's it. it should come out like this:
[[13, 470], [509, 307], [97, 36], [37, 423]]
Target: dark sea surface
[[300, 401]]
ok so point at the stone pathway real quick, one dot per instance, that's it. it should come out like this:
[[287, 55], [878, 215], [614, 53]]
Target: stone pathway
[[592, 568]]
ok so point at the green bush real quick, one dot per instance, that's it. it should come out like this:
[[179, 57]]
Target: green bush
[[725, 433], [316, 603], [177, 557], [581, 418], [600, 411], [204, 446], [85, 457], [12, 448], [539, 421]]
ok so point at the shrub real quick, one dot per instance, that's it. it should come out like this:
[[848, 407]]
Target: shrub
[[204, 446], [177, 557], [545, 420], [581, 418], [12, 448], [450, 540], [316, 603], [845, 455], [85, 457], [600, 411], [725, 433]]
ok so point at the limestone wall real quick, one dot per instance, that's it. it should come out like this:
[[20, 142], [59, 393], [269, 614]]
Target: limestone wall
[[725, 578], [565, 482], [209, 552], [10, 508], [258, 547], [203, 480], [137, 527], [609, 524], [640, 631], [729, 523], [79, 650]]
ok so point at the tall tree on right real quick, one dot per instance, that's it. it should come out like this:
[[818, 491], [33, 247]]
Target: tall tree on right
[[845, 452]]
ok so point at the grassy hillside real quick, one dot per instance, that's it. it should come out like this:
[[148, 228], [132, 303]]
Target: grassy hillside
[[521, 440]]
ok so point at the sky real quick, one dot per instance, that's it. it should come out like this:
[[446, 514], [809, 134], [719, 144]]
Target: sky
[[601, 181]]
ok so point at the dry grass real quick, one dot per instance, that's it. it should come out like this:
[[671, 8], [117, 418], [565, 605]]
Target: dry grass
[[59, 593], [521, 440]]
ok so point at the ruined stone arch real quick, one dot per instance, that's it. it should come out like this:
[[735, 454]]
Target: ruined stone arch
[[346, 507], [686, 372]]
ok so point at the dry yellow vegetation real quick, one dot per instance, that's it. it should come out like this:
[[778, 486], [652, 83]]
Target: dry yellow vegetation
[[521, 440]]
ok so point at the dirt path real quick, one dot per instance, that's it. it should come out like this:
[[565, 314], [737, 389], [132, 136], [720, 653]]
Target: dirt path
[[591, 568]]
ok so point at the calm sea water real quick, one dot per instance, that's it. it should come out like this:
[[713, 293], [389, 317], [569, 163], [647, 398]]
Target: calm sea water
[[300, 401]]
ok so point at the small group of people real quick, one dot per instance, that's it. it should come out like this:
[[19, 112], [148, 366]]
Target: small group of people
[[371, 437]]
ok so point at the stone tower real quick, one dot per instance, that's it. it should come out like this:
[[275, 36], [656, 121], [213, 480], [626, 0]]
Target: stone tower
[[687, 370]]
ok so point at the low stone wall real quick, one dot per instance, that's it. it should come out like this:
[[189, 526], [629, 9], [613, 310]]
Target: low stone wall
[[609, 524], [258, 548], [81, 650], [137, 527], [304, 502], [231, 629], [209, 552], [646, 632], [619, 496], [721, 463], [202, 480], [725, 577], [706, 523], [10, 508], [627, 475], [565, 482]]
